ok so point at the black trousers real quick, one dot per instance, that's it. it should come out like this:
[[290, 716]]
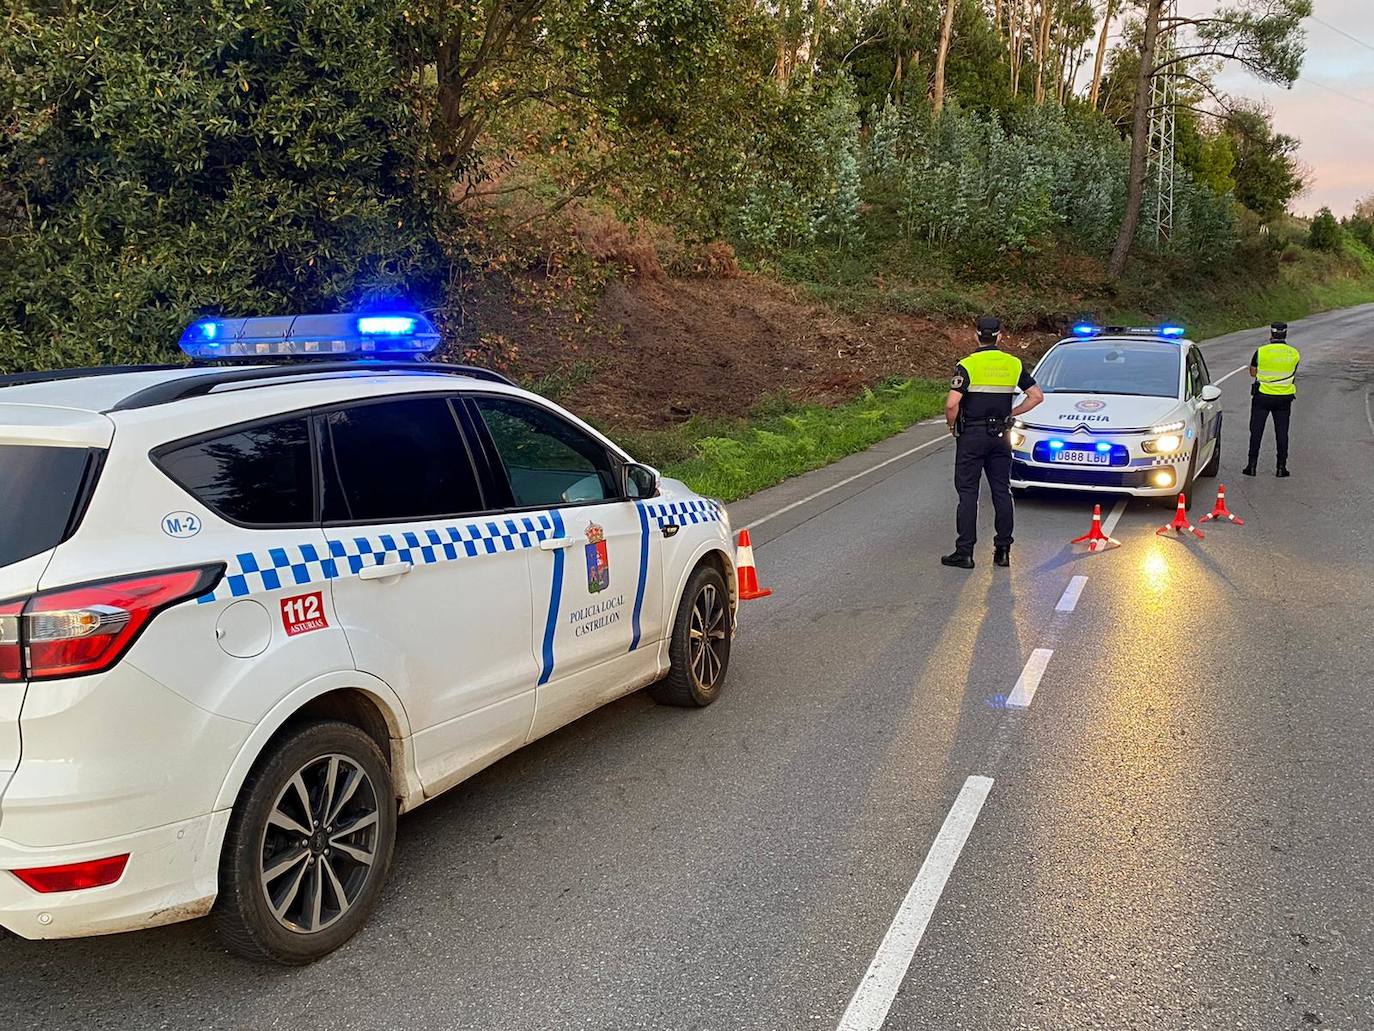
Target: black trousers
[[977, 453], [1262, 406]]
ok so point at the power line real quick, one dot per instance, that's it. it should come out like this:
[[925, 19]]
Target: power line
[[1339, 93], [1337, 28]]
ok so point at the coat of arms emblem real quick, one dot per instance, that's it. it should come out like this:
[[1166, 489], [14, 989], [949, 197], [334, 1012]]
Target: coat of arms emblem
[[598, 560]]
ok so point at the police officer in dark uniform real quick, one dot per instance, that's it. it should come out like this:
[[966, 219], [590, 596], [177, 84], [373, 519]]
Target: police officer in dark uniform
[[978, 411], [1274, 368]]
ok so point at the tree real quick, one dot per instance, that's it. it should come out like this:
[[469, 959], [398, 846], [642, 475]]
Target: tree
[[1216, 162], [1263, 36], [1108, 12], [1266, 171], [251, 159], [1325, 234], [941, 53]]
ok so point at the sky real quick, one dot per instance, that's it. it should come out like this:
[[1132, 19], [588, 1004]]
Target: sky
[[1331, 106]]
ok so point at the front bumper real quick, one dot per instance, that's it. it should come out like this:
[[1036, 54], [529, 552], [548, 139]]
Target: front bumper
[[172, 875], [1140, 478]]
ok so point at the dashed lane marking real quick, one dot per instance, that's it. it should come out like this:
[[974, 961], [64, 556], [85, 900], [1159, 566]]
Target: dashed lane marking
[[1029, 680], [872, 1000], [1069, 599]]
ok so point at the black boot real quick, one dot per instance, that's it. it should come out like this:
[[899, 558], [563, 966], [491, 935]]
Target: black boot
[[1282, 471], [1001, 557], [958, 559], [1249, 470]]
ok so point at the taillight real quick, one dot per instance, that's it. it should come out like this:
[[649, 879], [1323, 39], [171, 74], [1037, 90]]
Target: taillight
[[11, 652], [94, 873], [86, 629]]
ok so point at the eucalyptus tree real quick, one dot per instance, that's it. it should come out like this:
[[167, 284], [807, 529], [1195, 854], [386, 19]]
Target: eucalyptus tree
[[1264, 36]]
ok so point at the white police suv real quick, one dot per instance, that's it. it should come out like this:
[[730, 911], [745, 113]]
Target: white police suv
[[253, 608], [1126, 411]]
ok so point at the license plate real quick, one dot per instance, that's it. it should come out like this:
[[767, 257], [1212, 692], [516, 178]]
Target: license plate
[[1078, 457]]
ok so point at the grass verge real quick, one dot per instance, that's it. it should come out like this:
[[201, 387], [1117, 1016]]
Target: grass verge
[[731, 459]]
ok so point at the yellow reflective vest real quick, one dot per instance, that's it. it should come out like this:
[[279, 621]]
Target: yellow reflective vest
[[1277, 369], [991, 371]]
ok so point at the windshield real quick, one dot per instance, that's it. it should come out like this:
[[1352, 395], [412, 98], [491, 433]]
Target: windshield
[[1146, 367], [41, 490]]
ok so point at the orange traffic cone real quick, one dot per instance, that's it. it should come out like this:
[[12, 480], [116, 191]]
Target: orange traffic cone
[[1221, 511], [749, 588], [1095, 539], [1180, 523]]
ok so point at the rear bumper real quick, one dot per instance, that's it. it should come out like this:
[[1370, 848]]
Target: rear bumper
[[172, 875]]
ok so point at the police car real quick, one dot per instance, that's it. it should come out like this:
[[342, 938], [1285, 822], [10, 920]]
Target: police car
[[1126, 411], [253, 608]]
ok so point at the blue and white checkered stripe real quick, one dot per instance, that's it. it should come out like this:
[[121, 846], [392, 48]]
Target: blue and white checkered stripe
[[254, 572], [698, 510]]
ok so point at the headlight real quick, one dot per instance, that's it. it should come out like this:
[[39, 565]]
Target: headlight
[[1016, 438], [1164, 445], [1168, 427]]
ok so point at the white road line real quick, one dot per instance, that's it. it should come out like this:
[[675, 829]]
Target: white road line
[[1109, 524], [1230, 374], [1368, 414], [848, 479], [873, 998], [1029, 680], [1069, 600]]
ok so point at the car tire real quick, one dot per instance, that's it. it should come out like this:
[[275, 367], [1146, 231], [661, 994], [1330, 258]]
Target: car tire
[[1213, 465], [1189, 480], [290, 898], [699, 650]]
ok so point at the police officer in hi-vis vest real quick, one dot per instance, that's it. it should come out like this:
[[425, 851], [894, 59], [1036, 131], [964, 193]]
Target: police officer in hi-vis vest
[[978, 411], [1274, 367]]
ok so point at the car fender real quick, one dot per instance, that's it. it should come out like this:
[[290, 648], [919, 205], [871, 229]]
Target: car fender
[[398, 727], [684, 570]]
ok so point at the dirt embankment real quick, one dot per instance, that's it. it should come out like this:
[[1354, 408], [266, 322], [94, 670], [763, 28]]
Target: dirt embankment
[[656, 351]]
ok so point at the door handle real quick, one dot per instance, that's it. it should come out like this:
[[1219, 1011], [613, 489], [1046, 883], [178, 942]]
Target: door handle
[[557, 543], [384, 571]]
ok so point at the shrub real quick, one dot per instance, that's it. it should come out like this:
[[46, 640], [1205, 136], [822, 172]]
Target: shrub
[[1325, 234], [250, 159]]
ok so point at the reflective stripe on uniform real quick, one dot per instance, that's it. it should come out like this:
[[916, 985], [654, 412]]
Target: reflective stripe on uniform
[[993, 390]]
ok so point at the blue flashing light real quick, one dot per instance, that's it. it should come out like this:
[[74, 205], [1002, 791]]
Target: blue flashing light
[[390, 335], [1172, 332], [1056, 445], [1085, 330], [386, 325], [1103, 446]]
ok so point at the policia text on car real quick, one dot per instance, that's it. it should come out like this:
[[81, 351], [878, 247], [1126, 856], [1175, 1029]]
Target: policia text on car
[[978, 411], [1274, 368]]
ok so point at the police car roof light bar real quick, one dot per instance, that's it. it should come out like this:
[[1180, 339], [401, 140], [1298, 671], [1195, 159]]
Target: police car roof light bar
[[1085, 330], [367, 335]]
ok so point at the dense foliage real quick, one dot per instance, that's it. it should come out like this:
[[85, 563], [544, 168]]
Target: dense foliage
[[159, 159], [156, 163]]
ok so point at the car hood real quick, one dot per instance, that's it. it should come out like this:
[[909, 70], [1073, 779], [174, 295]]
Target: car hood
[[1103, 412]]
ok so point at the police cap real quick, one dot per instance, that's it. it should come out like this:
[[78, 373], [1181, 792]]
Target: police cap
[[1278, 331], [988, 328]]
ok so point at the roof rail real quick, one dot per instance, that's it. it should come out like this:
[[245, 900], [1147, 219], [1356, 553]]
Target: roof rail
[[17, 379], [184, 387]]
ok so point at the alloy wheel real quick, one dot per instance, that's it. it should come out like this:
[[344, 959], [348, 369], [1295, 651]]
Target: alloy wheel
[[319, 844], [707, 632]]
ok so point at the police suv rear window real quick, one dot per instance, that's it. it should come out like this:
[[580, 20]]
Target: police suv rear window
[[41, 494], [259, 475], [398, 460]]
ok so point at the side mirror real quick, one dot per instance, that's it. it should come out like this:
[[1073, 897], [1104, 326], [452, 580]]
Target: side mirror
[[642, 481], [1211, 393]]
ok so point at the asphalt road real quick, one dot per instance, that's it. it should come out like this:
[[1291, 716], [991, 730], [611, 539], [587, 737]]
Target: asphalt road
[[1178, 832]]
